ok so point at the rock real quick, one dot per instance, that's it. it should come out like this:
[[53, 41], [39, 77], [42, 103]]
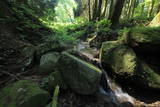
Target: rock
[[23, 93], [146, 40], [51, 81], [146, 77], [79, 75], [28, 51], [50, 46], [120, 58], [48, 62], [123, 63]]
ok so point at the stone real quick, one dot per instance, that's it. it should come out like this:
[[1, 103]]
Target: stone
[[23, 93], [48, 62], [119, 57], [80, 76]]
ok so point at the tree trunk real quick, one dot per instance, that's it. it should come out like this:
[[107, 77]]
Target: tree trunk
[[158, 8], [142, 10], [95, 10], [99, 10], [125, 9], [117, 12], [111, 9], [151, 8], [129, 9], [89, 9], [105, 9], [133, 8]]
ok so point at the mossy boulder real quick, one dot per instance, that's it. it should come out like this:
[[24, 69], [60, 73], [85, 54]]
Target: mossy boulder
[[146, 77], [50, 46], [27, 51], [79, 75], [48, 62], [119, 57], [145, 39], [121, 61], [23, 93], [51, 81]]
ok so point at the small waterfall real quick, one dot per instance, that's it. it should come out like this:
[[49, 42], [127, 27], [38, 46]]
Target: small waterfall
[[115, 92], [111, 92]]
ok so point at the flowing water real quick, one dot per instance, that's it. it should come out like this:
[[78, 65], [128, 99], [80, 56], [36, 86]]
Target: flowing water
[[114, 93]]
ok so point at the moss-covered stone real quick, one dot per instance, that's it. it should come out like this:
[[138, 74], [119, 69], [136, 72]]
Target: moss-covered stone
[[27, 51], [49, 46], [146, 77], [23, 93], [79, 75], [48, 62], [106, 48], [51, 81], [128, 68], [120, 58], [145, 39]]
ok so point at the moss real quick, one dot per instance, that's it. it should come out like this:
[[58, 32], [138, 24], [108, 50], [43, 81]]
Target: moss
[[79, 75], [83, 62], [51, 81], [23, 93], [146, 35], [107, 47], [119, 57], [48, 62], [148, 77]]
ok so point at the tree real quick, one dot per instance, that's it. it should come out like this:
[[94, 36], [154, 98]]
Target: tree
[[142, 8], [117, 12], [158, 7], [150, 10], [99, 10], [131, 8], [95, 10], [105, 8]]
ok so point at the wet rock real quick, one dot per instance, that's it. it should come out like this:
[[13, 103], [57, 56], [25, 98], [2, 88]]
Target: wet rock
[[48, 62], [119, 57], [27, 51], [51, 81], [23, 93], [79, 75], [145, 40], [123, 63], [147, 77], [50, 46]]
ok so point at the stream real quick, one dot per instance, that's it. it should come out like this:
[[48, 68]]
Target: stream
[[109, 91]]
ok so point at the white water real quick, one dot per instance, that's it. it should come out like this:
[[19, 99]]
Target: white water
[[116, 94]]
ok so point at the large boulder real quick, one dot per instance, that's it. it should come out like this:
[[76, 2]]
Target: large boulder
[[146, 77], [51, 81], [119, 57], [23, 93], [27, 51], [123, 63], [48, 62], [79, 75], [145, 39]]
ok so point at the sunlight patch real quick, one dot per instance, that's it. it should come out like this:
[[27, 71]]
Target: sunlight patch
[[65, 11]]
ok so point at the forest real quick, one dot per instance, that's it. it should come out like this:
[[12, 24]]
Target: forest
[[79, 53]]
